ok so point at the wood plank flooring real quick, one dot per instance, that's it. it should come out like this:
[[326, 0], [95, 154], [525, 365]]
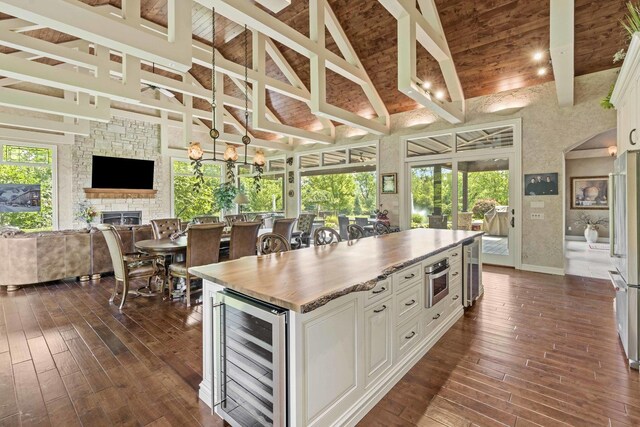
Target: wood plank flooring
[[536, 350]]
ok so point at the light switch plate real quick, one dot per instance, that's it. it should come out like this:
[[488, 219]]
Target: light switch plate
[[537, 215], [537, 205]]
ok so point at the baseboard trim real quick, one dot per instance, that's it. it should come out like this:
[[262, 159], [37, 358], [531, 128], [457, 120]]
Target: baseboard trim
[[582, 239], [543, 269]]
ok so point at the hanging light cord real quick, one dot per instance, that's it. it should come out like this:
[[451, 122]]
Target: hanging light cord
[[213, 133], [246, 140]]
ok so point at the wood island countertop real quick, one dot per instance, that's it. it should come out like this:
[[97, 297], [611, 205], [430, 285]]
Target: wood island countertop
[[305, 279]]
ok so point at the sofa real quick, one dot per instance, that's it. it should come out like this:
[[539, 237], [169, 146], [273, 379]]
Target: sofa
[[29, 258]]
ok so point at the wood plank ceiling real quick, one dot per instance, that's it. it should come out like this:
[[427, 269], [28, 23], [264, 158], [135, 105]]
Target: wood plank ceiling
[[492, 43]]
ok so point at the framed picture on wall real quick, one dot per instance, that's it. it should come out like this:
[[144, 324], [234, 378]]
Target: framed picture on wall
[[389, 183], [590, 192], [541, 184]]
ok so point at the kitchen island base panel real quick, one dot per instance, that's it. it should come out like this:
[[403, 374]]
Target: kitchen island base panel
[[312, 400]]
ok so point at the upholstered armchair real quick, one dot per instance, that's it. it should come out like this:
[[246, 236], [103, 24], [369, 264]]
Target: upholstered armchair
[[206, 219], [203, 247], [164, 228], [243, 239], [284, 227], [127, 267], [231, 219]]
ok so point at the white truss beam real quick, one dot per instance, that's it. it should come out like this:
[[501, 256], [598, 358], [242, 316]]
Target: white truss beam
[[426, 29], [561, 48], [40, 124], [79, 20], [33, 136]]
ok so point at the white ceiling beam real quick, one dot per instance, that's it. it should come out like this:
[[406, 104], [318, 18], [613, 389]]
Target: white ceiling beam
[[561, 49], [275, 5], [79, 20], [33, 136], [52, 105], [426, 29], [40, 124]]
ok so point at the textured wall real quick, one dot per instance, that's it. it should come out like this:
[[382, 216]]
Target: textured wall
[[599, 166], [547, 131], [122, 138]]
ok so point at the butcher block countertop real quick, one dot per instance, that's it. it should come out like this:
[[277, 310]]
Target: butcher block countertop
[[305, 279]]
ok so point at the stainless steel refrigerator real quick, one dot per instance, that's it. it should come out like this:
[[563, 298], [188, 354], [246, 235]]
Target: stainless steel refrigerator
[[623, 225]]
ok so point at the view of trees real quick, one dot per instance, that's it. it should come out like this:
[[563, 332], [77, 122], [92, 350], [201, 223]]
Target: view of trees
[[187, 202], [340, 193], [262, 201], [40, 173], [481, 185]]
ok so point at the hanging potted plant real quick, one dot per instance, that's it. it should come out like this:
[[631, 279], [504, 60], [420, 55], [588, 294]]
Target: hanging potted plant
[[591, 226], [223, 196]]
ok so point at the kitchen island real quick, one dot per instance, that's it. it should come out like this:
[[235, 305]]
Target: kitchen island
[[317, 336]]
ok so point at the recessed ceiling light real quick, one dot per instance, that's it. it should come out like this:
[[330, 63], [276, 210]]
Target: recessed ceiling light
[[440, 94], [542, 71], [538, 56], [426, 85]]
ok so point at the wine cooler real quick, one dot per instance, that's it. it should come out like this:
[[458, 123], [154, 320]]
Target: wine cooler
[[251, 361]]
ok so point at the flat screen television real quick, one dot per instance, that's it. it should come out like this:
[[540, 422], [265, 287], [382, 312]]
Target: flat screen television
[[117, 172]]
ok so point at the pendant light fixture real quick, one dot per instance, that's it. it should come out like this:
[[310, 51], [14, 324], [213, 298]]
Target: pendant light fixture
[[230, 155]]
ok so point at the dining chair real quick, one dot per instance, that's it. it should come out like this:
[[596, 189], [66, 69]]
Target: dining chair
[[354, 232], [127, 266], [206, 219], [164, 228], [284, 227], [325, 236], [243, 239], [305, 223], [203, 247], [362, 222], [271, 243], [343, 222], [231, 219], [380, 228]]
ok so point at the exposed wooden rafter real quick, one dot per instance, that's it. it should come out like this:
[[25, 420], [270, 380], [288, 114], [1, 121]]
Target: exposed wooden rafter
[[425, 28]]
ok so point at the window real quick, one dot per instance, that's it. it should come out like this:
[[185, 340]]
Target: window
[[270, 198], [485, 138], [27, 185], [468, 140], [431, 145], [188, 203]]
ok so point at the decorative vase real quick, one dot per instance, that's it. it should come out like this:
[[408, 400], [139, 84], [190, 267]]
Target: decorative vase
[[591, 234]]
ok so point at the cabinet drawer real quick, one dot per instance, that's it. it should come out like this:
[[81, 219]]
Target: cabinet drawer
[[382, 290], [455, 300], [455, 255], [408, 275], [409, 302], [435, 316], [407, 337], [378, 326]]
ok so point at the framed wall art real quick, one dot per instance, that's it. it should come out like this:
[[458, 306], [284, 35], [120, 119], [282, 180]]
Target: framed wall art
[[389, 183], [541, 184], [590, 192]]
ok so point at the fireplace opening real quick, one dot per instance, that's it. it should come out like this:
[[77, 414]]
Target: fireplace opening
[[121, 218]]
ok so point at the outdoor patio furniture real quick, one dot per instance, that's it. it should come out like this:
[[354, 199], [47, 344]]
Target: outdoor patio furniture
[[243, 239], [326, 236], [305, 223], [270, 243], [496, 221], [206, 219], [230, 219], [284, 227], [343, 222], [354, 231]]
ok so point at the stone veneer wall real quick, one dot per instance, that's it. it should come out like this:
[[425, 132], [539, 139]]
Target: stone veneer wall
[[122, 138]]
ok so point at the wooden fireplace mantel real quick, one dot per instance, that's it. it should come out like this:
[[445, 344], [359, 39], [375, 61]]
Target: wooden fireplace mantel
[[119, 193]]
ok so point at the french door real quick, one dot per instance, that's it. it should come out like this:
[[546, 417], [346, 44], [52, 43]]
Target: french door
[[469, 192]]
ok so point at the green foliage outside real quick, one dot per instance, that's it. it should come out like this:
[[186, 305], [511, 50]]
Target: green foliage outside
[[340, 193], [481, 185], [20, 174], [262, 201], [188, 202]]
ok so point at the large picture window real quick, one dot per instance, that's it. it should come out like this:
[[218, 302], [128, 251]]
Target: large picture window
[[188, 203], [27, 182], [270, 198]]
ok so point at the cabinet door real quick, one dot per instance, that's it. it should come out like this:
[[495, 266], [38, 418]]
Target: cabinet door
[[378, 347]]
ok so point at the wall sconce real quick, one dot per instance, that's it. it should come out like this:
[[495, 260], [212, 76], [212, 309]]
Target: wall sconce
[[613, 150]]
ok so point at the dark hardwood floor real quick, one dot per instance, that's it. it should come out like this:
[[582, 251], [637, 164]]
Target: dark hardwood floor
[[537, 350]]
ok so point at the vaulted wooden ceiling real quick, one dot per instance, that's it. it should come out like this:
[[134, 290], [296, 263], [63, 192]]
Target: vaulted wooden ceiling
[[491, 41]]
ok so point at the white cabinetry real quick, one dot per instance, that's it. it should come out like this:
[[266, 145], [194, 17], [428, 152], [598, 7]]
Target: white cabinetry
[[378, 330], [625, 99]]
